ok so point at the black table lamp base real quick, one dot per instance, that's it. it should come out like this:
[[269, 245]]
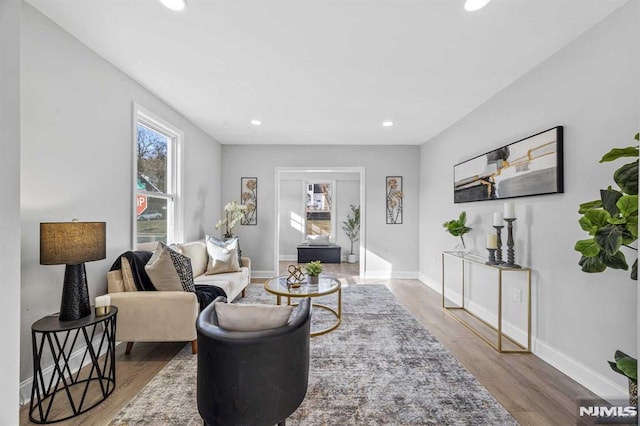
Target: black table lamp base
[[75, 294]]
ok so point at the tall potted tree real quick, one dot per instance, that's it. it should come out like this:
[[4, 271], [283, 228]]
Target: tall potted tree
[[351, 227]]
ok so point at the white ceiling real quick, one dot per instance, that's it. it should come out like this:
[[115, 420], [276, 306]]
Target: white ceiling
[[325, 71]]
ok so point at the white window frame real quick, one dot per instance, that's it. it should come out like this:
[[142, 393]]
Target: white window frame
[[175, 216]]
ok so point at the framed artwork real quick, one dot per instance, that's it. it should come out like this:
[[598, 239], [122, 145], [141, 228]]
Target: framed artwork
[[530, 166], [249, 198], [394, 199]]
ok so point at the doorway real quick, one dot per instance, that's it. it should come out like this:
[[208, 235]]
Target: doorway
[[300, 187]]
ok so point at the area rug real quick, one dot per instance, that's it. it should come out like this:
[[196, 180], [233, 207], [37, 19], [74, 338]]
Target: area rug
[[379, 367]]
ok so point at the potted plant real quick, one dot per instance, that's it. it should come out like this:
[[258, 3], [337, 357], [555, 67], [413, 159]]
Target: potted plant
[[458, 227], [313, 270], [628, 367], [233, 213], [351, 227], [612, 224], [612, 221]]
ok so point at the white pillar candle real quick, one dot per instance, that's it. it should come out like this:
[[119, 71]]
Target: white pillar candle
[[497, 219], [103, 300], [492, 241], [509, 211]]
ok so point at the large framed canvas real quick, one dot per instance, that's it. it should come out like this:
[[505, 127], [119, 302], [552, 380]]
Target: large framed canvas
[[530, 166], [249, 198]]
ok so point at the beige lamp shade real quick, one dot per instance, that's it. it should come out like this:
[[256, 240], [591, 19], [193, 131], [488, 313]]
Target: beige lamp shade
[[72, 243]]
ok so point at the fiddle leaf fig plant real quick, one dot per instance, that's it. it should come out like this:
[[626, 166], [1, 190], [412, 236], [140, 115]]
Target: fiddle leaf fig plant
[[625, 365], [612, 221], [458, 227]]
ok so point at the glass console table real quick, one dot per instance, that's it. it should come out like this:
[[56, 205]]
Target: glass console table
[[492, 334]]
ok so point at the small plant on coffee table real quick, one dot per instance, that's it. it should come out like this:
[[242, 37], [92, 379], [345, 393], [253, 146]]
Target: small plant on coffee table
[[313, 270]]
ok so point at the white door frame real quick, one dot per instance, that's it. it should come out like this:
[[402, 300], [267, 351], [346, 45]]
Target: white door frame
[[280, 171]]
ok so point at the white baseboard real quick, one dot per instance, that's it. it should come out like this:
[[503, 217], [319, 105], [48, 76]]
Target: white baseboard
[[74, 364], [434, 285], [263, 274], [577, 371], [399, 275]]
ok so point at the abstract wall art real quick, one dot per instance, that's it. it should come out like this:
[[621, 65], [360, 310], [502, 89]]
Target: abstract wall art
[[530, 166]]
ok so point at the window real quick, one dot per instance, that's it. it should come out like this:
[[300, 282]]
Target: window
[[320, 209], [157, 206]]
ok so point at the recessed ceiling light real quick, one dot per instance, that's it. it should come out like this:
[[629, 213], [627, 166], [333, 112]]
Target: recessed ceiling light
[[473, 5], [256, 122], [387, 123], [174, 4]]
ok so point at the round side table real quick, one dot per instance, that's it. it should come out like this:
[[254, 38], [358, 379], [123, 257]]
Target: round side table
[[61, 394]]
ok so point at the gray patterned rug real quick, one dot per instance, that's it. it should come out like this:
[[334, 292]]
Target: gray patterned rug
[[380, 367]]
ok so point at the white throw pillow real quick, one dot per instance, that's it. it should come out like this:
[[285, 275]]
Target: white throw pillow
[[251, 317], [197, 252], [223, 255], [318, 240]]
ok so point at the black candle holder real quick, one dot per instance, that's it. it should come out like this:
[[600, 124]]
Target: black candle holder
[[499, 260], [492, 257], [511, 253]]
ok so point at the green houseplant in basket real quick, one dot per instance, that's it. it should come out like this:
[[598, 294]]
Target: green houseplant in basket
[[313, 270], [628, 367]]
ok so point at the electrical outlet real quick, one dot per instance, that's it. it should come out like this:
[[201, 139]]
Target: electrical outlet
[[434, 261], [517, 295]]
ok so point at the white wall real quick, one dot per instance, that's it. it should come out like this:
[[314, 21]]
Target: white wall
[[392, 250], [77, 159], [10, 208], [591, 88], [346, 193], [291, 218]]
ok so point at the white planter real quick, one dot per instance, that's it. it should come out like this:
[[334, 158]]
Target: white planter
[[351, 258]]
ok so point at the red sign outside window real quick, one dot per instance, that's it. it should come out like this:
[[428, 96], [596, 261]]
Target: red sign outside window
[[141, 204]]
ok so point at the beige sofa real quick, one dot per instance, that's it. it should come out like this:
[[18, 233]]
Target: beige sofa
[[168, 316]]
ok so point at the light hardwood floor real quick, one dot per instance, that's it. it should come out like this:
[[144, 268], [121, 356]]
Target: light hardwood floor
[[531, 390]]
